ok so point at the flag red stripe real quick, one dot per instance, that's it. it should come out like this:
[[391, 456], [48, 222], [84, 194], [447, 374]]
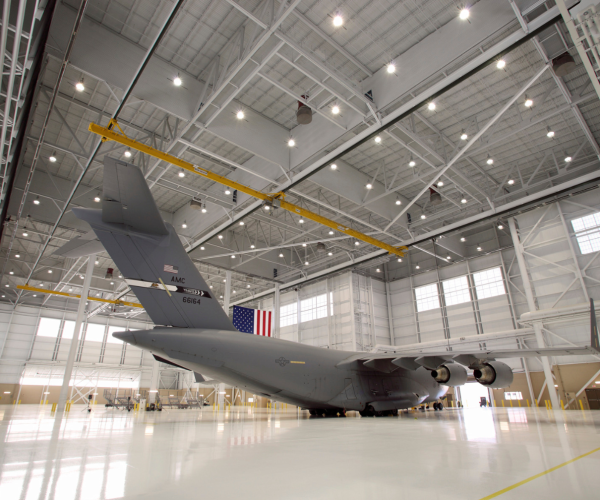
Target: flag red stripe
[[264, 332], [270, 323], [257, 331]]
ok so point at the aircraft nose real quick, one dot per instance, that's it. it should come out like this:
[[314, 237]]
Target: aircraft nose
[[125, 337]]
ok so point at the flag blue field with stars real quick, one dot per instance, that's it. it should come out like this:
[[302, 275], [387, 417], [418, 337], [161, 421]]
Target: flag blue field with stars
[[253, 321]]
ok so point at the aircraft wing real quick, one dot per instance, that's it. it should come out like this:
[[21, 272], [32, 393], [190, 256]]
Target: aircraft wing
[[412, 360]]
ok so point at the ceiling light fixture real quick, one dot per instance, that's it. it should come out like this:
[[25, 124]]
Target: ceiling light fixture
[[11, 272], [177, 81], [25, 233], [500, 227], [233, 256], [417, 266], [80, 86], [549, 133], [528, 102], [267, 207], [240, 115], [17, 256], [568, 159], [378, 270], [204, 208], [490, 160], [281, 255], [423, 216], [181, 173], [291, 143], [127, 153], [398, 201], [391, 68], [378, 140], [220, 236], [201, 248], [338, 20], [330, 253], [369, 185], [97, 199], [335, 110], [463, 239], [356, 243], [412, 162], [242, 223], [330, 233], [463, 200], [464, 14], [399, 260], [449, 257], [52, 157], [301, 221], [333, 166], [511, 182], [478, 248], [303, 244], [227, 191], [501, 64], [306, 263], [252, 246], [440, 183], [431, 106], [463, 136], [184, 225], [36, 201]]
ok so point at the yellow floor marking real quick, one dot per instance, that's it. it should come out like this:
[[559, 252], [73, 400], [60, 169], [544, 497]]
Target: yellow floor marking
[[521, 483]]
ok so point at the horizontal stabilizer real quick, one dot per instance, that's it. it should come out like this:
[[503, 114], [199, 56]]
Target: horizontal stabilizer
[[81, 246]]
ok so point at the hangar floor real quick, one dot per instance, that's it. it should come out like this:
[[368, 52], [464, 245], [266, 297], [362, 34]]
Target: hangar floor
[[185, 454]]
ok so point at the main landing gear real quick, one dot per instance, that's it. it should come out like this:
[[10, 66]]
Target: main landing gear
[[369, 411], [438, 406]]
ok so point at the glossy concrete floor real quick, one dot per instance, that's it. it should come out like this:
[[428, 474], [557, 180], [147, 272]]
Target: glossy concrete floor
[[185, 454]]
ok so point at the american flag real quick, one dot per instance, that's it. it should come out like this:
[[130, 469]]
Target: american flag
[[254, 321], [171, 269]]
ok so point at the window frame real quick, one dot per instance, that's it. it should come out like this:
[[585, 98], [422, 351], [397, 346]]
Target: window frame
[[587, 236], [428, 300], [486, 290]]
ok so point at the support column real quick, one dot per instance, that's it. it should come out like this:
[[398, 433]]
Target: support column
[[537, 326], [276, 311], [153, 382], [352, 320], [227, 294], [62, 399], [388, 296]]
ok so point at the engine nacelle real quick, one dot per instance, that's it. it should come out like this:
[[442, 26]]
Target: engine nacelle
[[450, 374], [494, 374]]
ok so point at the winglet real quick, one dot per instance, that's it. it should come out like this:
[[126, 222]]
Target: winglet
[[594, 327]]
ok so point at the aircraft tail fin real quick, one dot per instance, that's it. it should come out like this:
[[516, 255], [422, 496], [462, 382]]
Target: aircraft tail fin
[[149, 254]]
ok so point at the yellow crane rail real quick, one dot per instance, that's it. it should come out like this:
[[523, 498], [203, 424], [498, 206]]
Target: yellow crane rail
[[273, 199], [75, 296]]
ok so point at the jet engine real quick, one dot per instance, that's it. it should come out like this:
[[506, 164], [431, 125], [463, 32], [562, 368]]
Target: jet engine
[[450, 374], [494, 374]]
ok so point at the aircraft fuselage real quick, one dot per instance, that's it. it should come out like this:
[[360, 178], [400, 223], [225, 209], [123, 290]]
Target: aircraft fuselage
[[306, 376]]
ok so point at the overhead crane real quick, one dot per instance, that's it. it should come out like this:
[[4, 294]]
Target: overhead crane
[[270, 200], [76, 296]]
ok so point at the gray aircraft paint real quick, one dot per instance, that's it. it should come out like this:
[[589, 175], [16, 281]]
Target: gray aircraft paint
[[150, 256]]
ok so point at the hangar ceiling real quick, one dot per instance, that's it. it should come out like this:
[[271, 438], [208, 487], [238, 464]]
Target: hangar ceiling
[[397, 93]]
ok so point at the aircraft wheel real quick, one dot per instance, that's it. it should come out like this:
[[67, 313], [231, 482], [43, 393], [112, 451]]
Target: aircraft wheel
[[342, 412], [369, 411], [440, 406], [394, 413], [435, 406]]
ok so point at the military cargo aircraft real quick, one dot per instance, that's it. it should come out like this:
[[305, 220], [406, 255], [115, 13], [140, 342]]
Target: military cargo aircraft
[[195, 333]]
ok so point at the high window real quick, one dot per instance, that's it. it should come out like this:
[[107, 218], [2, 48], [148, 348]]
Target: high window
[[456, 291], [288, 315], [68, 329], [587, 232], [48, 327], [310, 309], [489, 283], [111, 329], [427, 298], [94, 332]]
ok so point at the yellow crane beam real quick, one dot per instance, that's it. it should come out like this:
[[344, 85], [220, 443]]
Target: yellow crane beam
[[75, 296], [272, 200]]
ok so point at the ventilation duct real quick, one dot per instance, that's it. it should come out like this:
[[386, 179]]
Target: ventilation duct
[[196, 205], [563, 64], [304, 113]]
